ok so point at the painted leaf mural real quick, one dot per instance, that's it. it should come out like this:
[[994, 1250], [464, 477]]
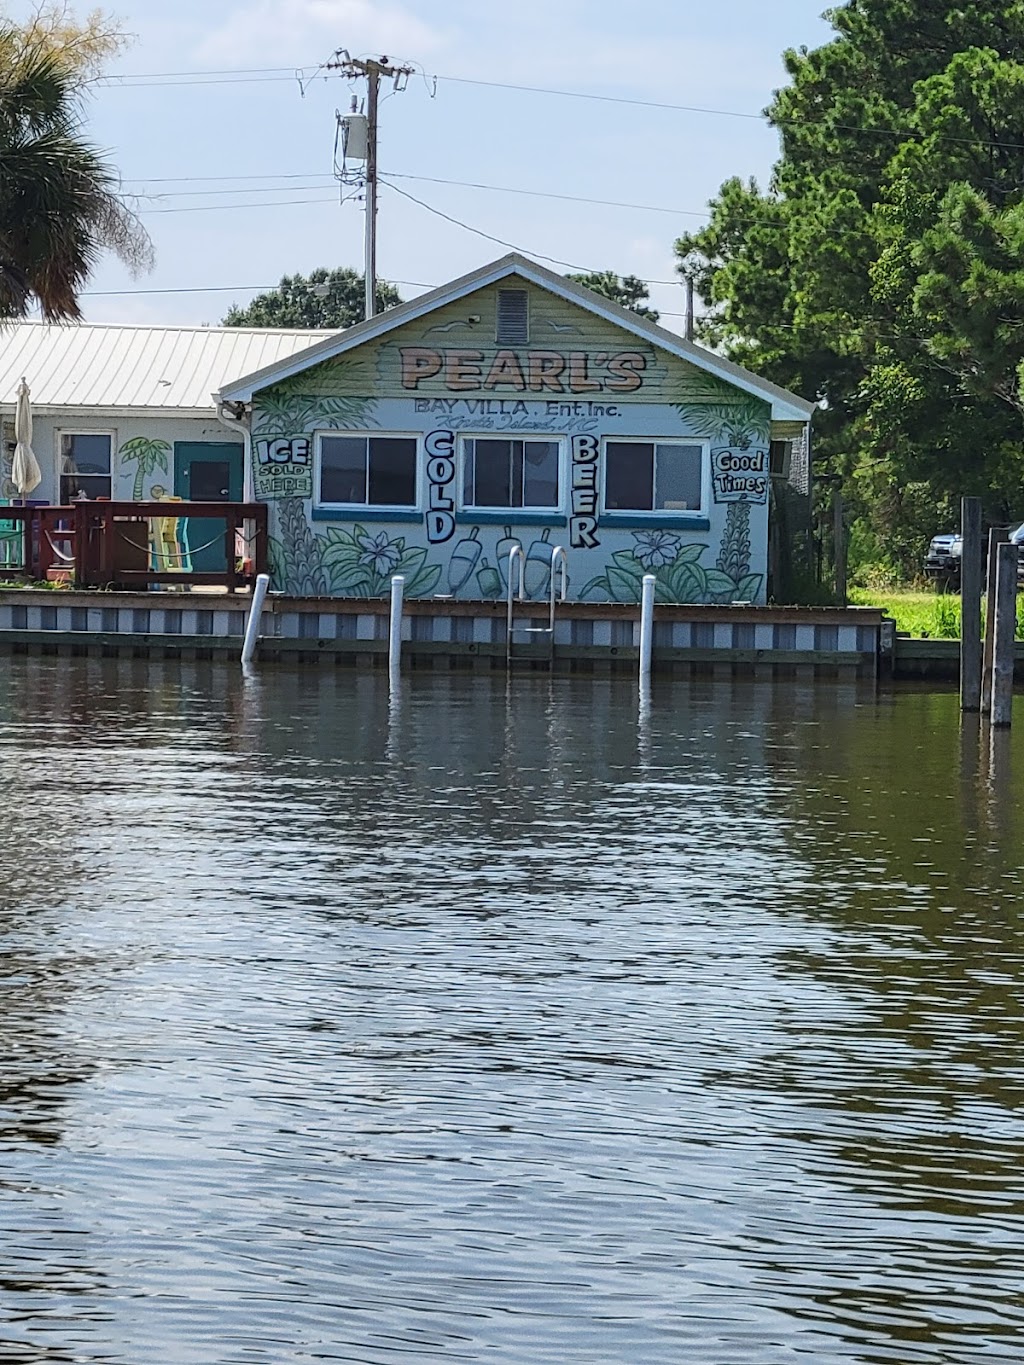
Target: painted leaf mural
[[334, 378], [680, 577], [283, 413], [363, 561]]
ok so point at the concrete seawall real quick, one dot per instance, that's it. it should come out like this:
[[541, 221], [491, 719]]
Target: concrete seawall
[[441, 633]]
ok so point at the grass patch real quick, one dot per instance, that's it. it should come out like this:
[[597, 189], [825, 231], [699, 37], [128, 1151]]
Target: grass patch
[[925, 615]]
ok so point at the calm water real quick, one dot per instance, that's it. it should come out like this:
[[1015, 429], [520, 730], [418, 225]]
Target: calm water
[[503, 1027]]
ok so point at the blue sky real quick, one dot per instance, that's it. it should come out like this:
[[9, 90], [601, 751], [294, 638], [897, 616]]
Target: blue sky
[[209, 96]]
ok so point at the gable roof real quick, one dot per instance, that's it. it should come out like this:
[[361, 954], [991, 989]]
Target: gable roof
[[786, 406], [112, 366]]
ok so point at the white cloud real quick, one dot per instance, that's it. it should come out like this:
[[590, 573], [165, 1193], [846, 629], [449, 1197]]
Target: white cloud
[[282, 31], [535, 43]]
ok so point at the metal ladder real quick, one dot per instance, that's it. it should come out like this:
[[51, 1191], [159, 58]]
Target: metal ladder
[[558, 591]]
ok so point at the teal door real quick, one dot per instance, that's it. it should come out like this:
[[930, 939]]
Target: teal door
[[207, 471]]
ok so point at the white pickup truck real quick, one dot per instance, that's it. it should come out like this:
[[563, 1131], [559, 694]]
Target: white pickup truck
[[942, 562], [943, 558]]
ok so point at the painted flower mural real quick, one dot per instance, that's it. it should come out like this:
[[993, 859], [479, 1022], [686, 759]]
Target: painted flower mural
[[359, 563], [681, 577], [655, 549], [348, 562], [379, 553]]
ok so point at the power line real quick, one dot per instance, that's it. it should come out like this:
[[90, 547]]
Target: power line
[[479, 231], [254, 189], [224, 208], [603, 99], [420, 284], [607, 203], [199, 179], [397, 175], [129, 80], [214, 71], [551, 194], [219, 289], [465, 184], [501, 241]]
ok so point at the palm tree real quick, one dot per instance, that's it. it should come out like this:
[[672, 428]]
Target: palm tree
[[149, 456], [59, 209]]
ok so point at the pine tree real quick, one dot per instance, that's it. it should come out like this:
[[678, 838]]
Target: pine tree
[[878, 269]]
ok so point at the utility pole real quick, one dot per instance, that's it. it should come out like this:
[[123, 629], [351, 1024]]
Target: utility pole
[[372, 70], [688, 315]]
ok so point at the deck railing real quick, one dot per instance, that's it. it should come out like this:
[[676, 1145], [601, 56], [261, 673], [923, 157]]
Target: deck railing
[[111, 544]]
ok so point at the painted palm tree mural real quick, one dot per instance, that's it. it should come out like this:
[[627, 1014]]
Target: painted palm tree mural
[[148, 456], [726, 416], [284, 413], [739, 421], [296, 554]]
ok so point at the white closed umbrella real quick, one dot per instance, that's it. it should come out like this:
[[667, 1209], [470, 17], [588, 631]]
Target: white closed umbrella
[[25, 471]]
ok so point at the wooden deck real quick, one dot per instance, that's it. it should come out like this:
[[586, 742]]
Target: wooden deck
[[111, 545]]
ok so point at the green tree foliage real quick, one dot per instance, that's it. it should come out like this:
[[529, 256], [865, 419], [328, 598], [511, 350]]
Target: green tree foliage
[[881, 268], [629, 291], [60, 209], [323, 299]]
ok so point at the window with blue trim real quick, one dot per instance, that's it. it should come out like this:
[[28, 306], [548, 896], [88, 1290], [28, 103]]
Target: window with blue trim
[[654, 476], [503, 472], [367, 471]]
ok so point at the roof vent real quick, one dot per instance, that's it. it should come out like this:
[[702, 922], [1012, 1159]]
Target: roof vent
[[513, 317]]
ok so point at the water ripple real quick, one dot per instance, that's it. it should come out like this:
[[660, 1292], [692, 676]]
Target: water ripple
[[502, 1024]]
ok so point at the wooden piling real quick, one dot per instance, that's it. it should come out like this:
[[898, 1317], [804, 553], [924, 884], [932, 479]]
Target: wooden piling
[[997, 536], [1005, 629], [839, 544], [970, 604]]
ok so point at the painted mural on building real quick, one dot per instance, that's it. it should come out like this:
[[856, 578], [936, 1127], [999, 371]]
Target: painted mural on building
[[148, 454], [436, 384]]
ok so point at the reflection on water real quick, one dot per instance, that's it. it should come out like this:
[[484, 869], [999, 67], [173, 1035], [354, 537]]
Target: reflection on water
[[506, 1023]]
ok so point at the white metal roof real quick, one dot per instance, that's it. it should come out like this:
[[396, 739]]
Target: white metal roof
[[785, 406], [110, 366]]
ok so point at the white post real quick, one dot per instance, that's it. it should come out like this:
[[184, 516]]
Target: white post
[[252, 626], [646, 626], [395, 629]]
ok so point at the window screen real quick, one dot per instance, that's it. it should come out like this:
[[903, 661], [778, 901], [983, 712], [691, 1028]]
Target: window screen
[[510, 473], [653, 476], [377, 471]]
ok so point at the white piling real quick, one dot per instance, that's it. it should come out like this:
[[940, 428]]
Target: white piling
[[252, 626], [646, 626], [395, 630]]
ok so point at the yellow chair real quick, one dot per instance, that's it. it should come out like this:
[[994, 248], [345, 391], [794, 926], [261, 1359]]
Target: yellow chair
[[168, 542]]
